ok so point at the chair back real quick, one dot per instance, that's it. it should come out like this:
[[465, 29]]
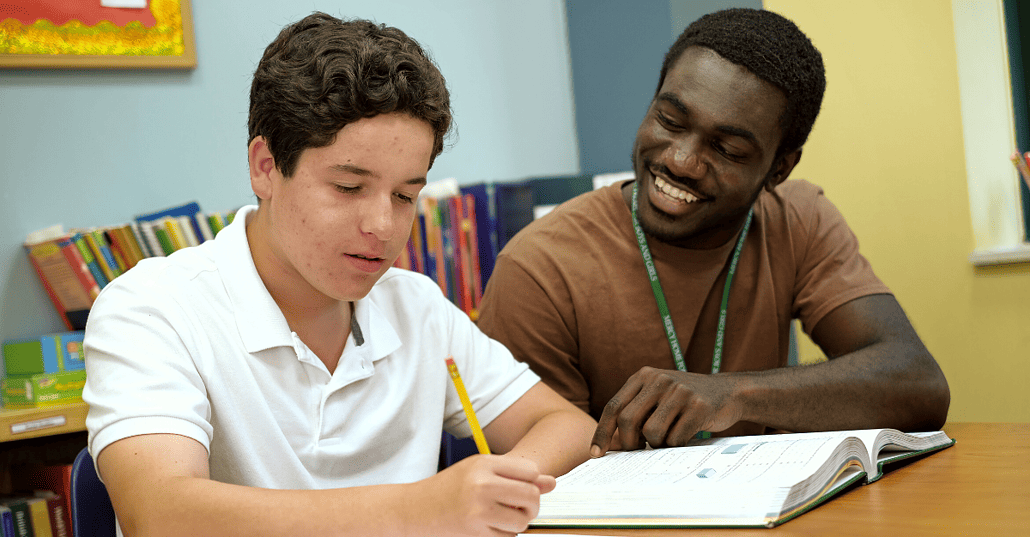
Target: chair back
[[92, 513]]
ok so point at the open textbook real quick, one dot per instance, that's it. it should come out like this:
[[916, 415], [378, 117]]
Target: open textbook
[[743, 481]]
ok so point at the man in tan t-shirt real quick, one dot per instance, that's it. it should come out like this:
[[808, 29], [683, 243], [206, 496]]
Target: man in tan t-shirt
[[662, 305]]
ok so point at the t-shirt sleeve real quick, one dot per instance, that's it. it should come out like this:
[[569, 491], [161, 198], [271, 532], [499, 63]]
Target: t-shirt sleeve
[[140, 379], [530, 312], [493, 378], [831, 270]]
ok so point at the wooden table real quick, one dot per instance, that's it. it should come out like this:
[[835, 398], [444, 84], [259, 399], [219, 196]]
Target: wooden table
[[979, 486]]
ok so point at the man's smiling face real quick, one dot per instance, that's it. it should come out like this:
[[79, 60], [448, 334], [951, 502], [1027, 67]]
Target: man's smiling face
[[705, 150]]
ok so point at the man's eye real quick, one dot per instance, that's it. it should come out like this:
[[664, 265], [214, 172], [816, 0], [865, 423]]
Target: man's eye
[[668, 122], [347, 189], [405, 198]]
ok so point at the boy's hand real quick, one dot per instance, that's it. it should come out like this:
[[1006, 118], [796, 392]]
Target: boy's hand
[[483, 495]]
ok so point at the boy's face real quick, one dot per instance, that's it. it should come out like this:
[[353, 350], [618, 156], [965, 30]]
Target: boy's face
[[341, 221]]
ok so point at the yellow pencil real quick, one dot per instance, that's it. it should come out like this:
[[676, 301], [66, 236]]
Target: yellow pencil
[[477, 432]]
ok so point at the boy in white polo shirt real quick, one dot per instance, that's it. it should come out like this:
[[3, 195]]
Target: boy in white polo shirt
[[282, 378]]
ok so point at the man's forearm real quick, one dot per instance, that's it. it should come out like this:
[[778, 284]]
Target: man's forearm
[[884, 385]]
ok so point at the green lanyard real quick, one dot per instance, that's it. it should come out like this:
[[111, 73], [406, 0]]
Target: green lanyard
[[663, 307]]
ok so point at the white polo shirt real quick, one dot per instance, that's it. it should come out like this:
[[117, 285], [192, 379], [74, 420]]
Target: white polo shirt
[[193, 344]]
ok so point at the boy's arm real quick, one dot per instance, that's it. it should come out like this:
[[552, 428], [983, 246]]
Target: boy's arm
[[159, 485], [545, 428]]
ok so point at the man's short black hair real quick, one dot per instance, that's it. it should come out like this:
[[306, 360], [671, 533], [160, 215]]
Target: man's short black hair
[[774, 49]]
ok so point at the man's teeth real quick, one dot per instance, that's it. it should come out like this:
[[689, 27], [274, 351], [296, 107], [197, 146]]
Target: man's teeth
[[674, 192]]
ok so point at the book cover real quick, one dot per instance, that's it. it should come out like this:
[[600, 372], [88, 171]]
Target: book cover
[[79, 240], [143, 240], [102, 251], [154, 246], [121, 246], [120, 257], [80, 267], [190, 235], [470, 228], [428, 259], [21, 514], [6, 521], [486, 230], [447, 241], [748, 481], [59, 523], [130, 240], [56, 478], [435, 258], [40, 517], [189, 208], [514, 204], [204, 227], [49, 353], [175, 233], [61, 282], [164, 240]]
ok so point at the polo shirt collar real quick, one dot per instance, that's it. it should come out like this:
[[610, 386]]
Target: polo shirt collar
[[258, 318]]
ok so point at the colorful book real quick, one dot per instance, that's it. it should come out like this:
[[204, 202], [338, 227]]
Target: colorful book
[[486, 231], [6, 521], [56, 479], [175, 233], [470, 243], [63, 281], [435, 256], [102, 251], [79, 240], [40, 513], [146, 242], [164, 240], [21, 514], [190, 235]]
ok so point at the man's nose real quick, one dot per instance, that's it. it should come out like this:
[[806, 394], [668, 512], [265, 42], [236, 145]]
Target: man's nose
[[684, 158]]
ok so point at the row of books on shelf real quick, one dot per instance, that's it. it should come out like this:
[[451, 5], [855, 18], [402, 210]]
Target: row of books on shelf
[[460, 229], [74, 265], [40, 505], [455, 239]]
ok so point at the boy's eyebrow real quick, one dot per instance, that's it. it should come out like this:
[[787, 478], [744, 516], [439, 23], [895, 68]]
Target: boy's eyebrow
[[362, 172]]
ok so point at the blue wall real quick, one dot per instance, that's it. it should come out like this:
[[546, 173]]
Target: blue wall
[[617, 48], [88, 147]]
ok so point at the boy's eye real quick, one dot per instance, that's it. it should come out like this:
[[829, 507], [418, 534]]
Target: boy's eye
[[405, 198], [347, 189]]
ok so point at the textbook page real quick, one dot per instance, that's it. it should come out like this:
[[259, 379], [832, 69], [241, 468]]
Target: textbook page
[[732, 481]]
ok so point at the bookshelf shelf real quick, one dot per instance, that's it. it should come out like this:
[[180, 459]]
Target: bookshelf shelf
[[18, 424]]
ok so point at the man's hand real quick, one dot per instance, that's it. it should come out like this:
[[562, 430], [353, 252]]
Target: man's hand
[[485, 495], [665, 408]]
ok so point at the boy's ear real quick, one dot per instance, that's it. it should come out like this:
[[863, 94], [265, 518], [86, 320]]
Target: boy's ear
[[263, 172], [781, 169]]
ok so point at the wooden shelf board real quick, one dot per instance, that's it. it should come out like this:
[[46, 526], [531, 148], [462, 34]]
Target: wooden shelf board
[[17, 424]]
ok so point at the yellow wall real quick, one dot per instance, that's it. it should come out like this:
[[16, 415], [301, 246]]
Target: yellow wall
[[888, 150]]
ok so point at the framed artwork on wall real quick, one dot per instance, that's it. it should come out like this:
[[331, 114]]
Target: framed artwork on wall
[[129, 34]]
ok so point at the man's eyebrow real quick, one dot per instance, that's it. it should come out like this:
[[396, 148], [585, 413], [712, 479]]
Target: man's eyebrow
[[362, 172], [674, 101]]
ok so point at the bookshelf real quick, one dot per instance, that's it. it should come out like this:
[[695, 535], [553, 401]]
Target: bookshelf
[[20, 424]]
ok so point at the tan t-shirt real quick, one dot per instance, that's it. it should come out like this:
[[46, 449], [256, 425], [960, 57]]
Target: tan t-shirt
[[569, 294]]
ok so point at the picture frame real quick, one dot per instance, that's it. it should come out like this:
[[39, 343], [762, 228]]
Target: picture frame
[[97, 34]]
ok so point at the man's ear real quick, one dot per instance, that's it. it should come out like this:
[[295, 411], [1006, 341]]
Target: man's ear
[[781, 169], [263, 172]]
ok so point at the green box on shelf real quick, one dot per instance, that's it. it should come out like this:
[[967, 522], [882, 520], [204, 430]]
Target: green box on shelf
[[46, 354], [43, 390]]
